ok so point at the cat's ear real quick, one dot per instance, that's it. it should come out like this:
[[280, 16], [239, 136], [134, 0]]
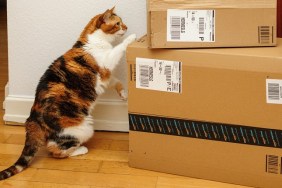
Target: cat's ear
[[113, 10], [106, 16]]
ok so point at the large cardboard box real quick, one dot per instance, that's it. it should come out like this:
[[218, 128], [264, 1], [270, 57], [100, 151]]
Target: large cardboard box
[[211, 23], [207, 113]]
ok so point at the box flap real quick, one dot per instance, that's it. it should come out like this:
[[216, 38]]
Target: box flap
[[267, 52], [162, 5]]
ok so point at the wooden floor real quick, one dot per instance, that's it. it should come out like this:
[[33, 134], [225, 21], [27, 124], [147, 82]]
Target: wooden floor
[[106, 164]]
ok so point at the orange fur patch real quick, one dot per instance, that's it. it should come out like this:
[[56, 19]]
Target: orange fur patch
[[119, 87], [70, 122], [73, 53], [56, 90], [105, 74], [73, 67], [92, 26], [58, 153], [107, 22], [111, 26], [36, 134]]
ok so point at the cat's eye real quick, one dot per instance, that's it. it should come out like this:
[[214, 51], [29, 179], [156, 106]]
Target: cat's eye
[[118, 23]]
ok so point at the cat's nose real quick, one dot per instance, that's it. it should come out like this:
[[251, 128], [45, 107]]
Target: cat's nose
[[124, 27]]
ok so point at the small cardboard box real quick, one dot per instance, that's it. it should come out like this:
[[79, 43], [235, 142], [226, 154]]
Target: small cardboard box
[[211, 23], [207, 113]]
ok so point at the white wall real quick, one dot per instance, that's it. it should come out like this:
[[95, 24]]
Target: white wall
[[40, 31]]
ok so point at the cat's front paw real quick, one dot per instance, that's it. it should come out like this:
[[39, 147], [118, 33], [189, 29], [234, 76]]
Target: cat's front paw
[[131, 38], [123, 95]]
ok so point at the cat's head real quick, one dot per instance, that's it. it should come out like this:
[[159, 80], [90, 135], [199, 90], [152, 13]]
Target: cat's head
[[108, 22]]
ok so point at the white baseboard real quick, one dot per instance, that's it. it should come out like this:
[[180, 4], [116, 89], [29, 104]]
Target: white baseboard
[[109, 115], [6, 94]]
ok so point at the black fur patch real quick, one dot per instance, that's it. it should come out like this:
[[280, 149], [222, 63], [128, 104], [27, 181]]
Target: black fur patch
[[52, 121], [78, 44], [22, 162], [34, 116], [69, 144], [49, 76], [47, 101], [84, 111], [83, 85], [64, 141], [4, 175], [80, 60], [69, 109]]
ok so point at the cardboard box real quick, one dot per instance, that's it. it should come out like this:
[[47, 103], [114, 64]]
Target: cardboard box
[[213, 113], [211, 23]]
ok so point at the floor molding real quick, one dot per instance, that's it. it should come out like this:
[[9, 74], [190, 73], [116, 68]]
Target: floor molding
[[6, 94]]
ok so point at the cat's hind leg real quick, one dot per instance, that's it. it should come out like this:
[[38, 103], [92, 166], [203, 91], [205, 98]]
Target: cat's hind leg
[[63, 146], [68, 142]]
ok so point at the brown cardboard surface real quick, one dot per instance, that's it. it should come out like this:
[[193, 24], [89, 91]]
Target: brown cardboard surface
[[225, 86], [229, 163], [213, 70], [236, 22]]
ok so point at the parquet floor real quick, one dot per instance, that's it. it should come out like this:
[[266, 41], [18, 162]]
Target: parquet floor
[[106, 164]]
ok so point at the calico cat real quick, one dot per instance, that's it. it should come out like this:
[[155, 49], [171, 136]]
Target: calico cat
[[66, 93]]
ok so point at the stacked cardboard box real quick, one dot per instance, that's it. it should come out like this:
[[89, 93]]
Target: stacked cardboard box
[[211, 23], [207, 113]]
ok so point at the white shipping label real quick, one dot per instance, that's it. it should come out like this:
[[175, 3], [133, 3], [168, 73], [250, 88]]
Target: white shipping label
[[160, 75], [190, 25], [274, 91]]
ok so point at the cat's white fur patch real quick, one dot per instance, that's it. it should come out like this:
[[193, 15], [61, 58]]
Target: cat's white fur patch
[[82, 132], [51, 143], [123, 94], [79, 151], [19, 168], [99, 45], [101, 85], [8, 173], [27, 158], [91, 108]]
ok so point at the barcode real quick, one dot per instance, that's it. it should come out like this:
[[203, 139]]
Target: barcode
[[273, 91], [201, 26], [144, 75], [272, 164], [168, 73], [264, 34], [175, 27], [132, 72]]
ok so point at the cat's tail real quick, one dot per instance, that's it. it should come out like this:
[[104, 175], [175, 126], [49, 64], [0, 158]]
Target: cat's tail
[[32, 145]]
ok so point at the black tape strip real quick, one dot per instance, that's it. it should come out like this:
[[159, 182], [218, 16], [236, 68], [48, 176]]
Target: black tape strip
[[206, 130]]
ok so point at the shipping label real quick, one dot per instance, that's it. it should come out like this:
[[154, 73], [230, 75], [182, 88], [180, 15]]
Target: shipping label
[[190, 25], [274, 91], [160, 75]]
